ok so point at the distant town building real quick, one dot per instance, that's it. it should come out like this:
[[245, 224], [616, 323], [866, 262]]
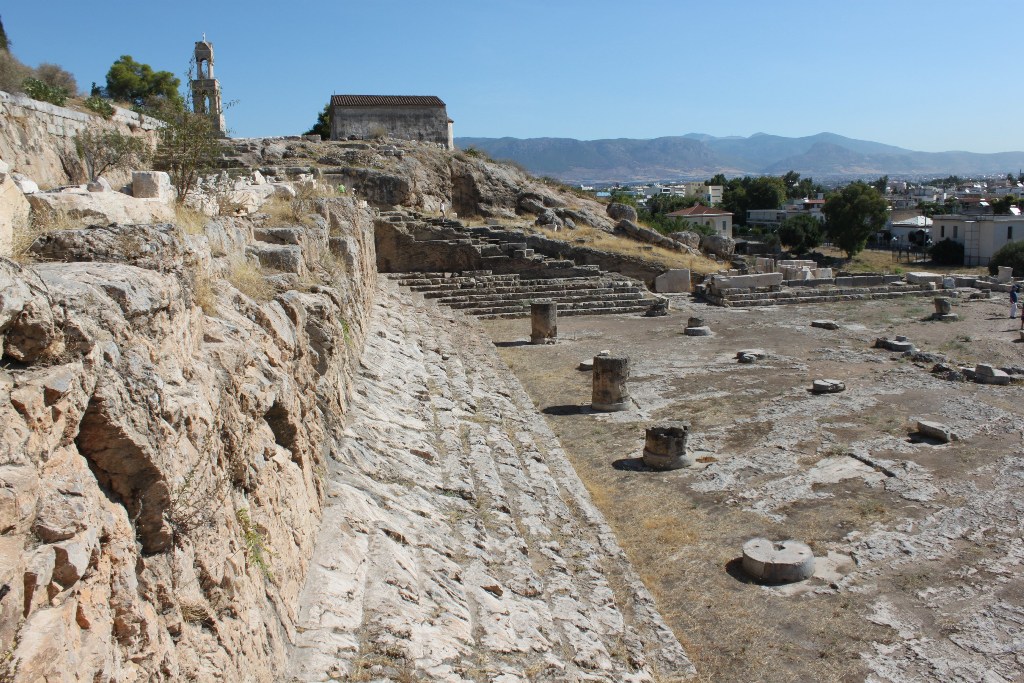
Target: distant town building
[[772, 218], [205, 88], [406, 117], [718, 219], [708, 194], [982, 236]]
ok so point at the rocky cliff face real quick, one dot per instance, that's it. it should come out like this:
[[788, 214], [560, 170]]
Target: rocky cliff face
[[421, 176], [164, 444]]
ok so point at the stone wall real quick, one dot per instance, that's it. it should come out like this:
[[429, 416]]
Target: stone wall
[[37, 138], [164, 446], [425, 124]]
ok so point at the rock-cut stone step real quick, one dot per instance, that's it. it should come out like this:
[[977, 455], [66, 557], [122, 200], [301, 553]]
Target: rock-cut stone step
[[457, 542]]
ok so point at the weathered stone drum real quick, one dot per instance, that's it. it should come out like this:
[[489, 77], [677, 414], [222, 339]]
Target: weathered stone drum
[[665, 446], [783, 562], [610, 393], [544, 320]]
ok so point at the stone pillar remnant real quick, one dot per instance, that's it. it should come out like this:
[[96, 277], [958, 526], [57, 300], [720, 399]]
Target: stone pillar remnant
[[544, 322], [783, 562], [943, 309], [695, 327], [665, 446], [610, 393]]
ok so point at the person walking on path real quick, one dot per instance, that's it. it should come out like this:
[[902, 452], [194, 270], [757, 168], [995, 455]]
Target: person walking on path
[[1013, 301], [443, 209]]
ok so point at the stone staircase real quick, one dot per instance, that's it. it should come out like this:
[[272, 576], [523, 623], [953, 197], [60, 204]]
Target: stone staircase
[[489, 296], [490, 272], [458, 543], [492, 248]]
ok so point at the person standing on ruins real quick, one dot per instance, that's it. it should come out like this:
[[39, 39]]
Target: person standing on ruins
[[1013, 301], [442, 208]]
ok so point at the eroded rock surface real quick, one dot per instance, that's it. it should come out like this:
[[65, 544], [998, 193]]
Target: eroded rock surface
[[164, 438], [458, 543]]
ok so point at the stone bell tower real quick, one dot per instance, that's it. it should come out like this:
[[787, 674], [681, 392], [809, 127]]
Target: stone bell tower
[[206, 88]]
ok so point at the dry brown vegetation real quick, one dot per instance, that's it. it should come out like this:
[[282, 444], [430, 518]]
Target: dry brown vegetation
[[250, 280], [39, 222], [191, 221], [883, 261]]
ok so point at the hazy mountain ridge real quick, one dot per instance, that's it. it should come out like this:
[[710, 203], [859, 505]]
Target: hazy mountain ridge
[[697, 155]]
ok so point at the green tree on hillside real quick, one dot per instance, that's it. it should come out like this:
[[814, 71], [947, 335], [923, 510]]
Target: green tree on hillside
[[322, 127], [5, 44], [137, 83], [854, 214]]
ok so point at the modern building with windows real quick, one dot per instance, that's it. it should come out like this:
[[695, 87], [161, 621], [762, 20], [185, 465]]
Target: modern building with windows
[[982, 236]]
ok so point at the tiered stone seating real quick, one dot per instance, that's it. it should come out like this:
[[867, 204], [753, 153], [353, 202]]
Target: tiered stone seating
[[488, 295], [513, 274]]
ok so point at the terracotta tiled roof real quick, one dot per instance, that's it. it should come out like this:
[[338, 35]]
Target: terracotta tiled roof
[[699, 210], [386, 101]]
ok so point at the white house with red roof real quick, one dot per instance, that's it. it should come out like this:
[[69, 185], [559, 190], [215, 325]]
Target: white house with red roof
[[720, 220]]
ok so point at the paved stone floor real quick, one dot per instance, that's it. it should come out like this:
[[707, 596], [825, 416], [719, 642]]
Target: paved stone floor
[[919, 544]]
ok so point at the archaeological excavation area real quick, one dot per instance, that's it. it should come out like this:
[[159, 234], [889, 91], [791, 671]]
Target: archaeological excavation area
[[326, 436], [915, 528]]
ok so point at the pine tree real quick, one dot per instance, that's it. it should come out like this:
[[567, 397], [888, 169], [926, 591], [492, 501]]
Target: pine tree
[[5, 44]]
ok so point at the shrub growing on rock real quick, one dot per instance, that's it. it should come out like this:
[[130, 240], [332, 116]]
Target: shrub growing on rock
[[103, 150], [98, 105], [1011, 255], [12, 72], [44, 92]]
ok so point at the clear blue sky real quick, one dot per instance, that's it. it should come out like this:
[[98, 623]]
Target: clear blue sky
[[929, 76]]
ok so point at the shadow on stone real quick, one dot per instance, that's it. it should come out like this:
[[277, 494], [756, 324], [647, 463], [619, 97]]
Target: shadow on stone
[[510, 344], [570, 409], [734, 568], [632, 465], [919, 438]]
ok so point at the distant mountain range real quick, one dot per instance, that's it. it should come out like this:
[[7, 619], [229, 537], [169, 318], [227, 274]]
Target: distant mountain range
[[698, 156]]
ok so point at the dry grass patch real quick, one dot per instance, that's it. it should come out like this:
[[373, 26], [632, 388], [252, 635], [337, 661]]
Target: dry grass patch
[[39, 222], [883, 261], [666, 258], [191, 221], [288, 211], [251, 281], [206, 298]]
